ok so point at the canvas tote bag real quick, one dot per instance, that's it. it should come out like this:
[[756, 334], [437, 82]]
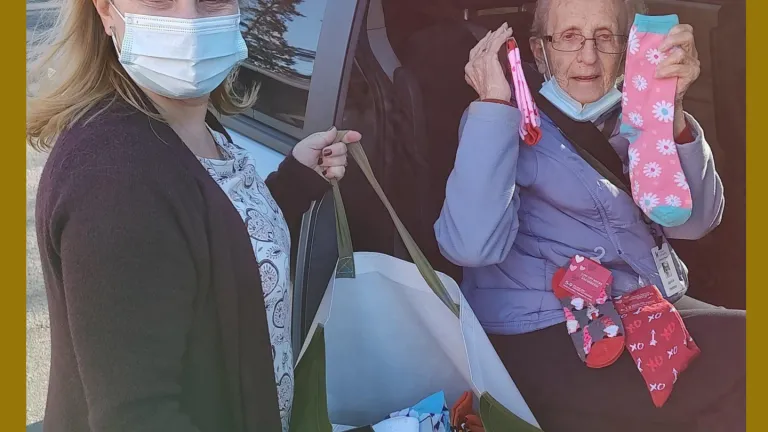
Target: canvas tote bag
[[389, 333]]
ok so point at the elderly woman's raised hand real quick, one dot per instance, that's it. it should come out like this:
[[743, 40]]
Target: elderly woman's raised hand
[[682, 62], [483, 72]]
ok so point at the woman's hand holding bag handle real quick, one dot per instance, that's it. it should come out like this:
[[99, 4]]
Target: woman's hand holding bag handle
[[346, 267]]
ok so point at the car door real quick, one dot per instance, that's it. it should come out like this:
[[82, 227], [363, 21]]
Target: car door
[[366, 103], [296, 49], [297, 58]]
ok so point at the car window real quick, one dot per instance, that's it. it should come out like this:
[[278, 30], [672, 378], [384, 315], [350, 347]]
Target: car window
[[282, 38]]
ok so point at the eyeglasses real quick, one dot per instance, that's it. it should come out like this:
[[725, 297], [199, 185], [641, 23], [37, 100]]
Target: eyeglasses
[[571, 42]]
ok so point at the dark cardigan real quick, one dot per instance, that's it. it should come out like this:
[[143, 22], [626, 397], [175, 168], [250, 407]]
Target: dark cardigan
[[154, 294]]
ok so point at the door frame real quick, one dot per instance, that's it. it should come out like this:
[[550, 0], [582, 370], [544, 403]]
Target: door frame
[[336, 50], [339, 20]]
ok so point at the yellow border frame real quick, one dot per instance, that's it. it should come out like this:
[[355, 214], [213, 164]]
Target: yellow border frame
[[13, 320], [12, 404], [756, 225]]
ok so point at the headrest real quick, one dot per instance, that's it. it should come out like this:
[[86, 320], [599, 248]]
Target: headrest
[[489, 4]]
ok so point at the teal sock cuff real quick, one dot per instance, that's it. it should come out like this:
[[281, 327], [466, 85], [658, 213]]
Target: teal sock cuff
[[660, 24], [629, 132], [668, 216]]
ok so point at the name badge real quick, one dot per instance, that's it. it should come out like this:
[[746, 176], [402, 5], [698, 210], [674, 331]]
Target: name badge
[[667, 271]]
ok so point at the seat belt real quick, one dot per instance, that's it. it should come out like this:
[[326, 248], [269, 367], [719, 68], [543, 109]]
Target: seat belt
[[591, 144], [586, 138]]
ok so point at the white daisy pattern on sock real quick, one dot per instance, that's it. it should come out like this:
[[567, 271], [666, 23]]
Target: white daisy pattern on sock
[[634, 158], [654, 56], [666, 147], [636, 190], [648, 202], [624, 98], [636, 119], [673, 201], [652, 170], [640, 82], [681, 181], [663, 111], [633, 42]]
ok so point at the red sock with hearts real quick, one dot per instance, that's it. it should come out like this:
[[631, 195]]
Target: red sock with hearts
[[595, 327], [657, 340]]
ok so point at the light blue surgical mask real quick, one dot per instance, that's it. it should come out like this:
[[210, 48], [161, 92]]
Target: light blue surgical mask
[[180, 58], [569, 106]]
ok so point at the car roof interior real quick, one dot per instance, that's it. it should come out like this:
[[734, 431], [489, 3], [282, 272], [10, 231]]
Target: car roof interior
[[422, 47]]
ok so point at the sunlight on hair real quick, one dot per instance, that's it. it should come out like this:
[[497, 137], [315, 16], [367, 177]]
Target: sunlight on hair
[[75, 67]]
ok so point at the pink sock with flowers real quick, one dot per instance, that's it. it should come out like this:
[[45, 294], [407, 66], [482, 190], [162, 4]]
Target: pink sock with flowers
[[659, 186]]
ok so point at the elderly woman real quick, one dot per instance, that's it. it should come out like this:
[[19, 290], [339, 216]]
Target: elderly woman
[[515, 214]]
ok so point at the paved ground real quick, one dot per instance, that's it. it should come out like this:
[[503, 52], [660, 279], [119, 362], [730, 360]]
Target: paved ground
[[38, 332], [39, 13]]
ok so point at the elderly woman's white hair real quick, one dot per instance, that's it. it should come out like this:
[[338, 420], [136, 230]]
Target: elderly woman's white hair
[[627, 15]]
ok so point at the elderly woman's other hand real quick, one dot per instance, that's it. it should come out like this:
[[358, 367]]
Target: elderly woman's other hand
[[683, 63], [483, 72]]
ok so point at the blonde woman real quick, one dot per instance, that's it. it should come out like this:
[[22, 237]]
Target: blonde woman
[[165, 256]]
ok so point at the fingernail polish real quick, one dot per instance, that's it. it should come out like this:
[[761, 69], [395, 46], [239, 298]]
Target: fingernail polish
[[325, 172], [319, 161], [327, 152]]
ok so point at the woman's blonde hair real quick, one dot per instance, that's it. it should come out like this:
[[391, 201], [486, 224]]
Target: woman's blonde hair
[[75, 67]]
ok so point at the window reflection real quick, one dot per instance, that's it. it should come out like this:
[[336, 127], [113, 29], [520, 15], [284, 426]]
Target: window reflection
[[282, 37]]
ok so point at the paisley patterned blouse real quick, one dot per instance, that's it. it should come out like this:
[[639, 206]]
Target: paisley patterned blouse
[[236, 174]]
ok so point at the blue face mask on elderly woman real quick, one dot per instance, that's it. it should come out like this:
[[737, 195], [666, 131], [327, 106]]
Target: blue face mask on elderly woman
[[589, 112]]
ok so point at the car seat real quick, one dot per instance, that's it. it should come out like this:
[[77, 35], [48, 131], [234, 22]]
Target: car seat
[[717, 100], [433, 72], [720, 278], [433, 94], [699, 100]]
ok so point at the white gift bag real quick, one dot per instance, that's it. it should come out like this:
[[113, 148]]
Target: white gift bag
[[389, 333]]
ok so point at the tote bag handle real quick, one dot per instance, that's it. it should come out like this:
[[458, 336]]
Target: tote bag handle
[[346, 265]]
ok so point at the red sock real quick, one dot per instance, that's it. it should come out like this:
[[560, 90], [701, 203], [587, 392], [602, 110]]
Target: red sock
[[657, 339], [596, 330]]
